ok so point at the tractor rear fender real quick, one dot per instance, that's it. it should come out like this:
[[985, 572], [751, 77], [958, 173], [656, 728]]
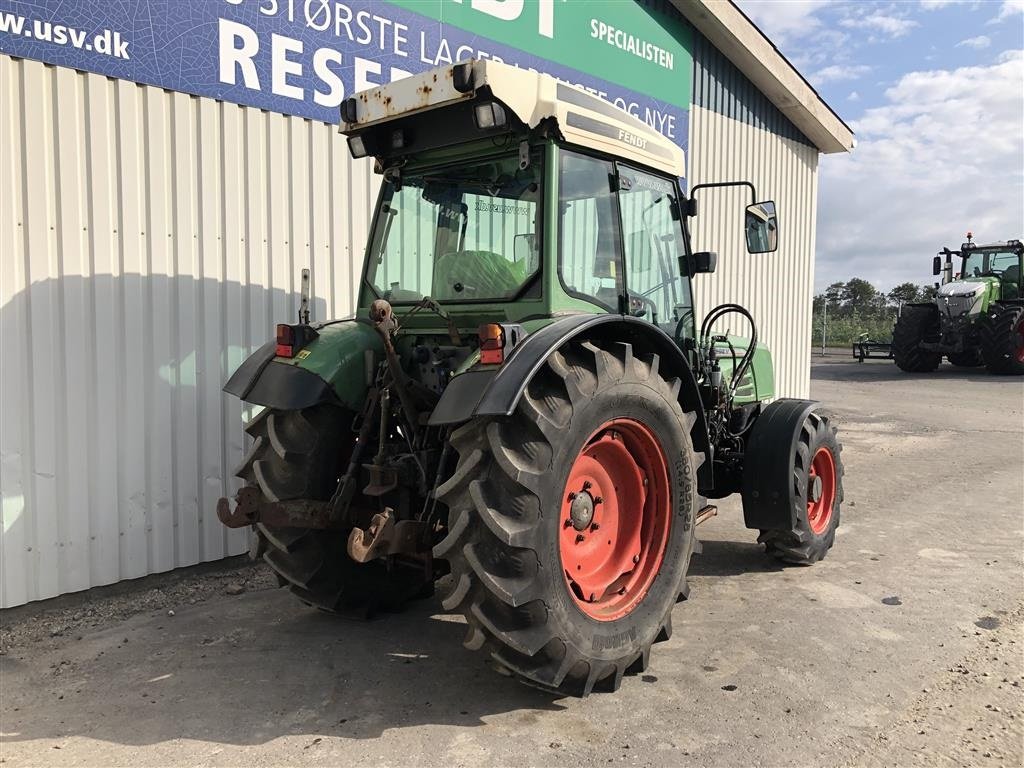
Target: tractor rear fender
[[496, 391], [329, 369], [769, 462]]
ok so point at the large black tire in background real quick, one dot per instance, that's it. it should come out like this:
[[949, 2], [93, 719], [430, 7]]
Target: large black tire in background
[[793, 482], [1002, 339], [534, 521], [300, 455], [916, 323]]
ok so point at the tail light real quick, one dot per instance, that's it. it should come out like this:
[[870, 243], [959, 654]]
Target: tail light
[[285, 340], [492, 344], [497, 340], [292, 338]]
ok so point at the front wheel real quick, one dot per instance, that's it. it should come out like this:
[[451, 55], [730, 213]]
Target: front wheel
[[571, 522], [800, 497], [1002, 339], [915, 325]]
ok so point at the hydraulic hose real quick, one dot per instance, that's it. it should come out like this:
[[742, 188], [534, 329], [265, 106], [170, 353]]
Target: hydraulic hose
[[717, 314]]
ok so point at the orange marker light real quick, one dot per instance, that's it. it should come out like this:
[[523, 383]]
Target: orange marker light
[[492, 344]]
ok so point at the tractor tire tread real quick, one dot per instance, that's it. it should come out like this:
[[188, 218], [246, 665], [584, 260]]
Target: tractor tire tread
[[998, 345], [495, 514], [916, 324]]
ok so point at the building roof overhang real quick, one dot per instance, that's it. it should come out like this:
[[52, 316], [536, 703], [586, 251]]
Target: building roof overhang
[[746, 46]]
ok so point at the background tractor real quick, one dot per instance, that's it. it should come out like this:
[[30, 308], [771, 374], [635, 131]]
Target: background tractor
[[976, 319], [524, 401]]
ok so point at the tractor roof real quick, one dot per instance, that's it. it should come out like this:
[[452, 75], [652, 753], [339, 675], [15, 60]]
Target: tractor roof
[[1009, 245], [531, 97]]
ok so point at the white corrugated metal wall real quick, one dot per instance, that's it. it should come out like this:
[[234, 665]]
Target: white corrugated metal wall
[[775, 287], [149, 242], [151, 239]]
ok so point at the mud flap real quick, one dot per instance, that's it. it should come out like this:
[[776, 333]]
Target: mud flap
[[263, 381], [768, 465]]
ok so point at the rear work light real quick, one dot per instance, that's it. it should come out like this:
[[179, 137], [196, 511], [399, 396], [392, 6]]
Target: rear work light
[[489, 115], [497, 340], [357, 147], [292, 338]]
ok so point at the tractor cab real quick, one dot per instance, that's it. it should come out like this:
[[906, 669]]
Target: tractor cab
[[999, 265], [510, 196]]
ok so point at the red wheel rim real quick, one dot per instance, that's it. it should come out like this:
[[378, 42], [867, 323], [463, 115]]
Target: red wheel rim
[[821, 490], [615, 519]]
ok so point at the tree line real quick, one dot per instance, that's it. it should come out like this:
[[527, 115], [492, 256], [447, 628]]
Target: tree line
[[856, 306]]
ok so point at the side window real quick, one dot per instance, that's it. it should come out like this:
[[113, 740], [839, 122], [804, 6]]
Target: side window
[[653, 237], [589, 251]]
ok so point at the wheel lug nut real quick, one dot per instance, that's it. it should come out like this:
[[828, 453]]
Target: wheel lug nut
[[586, 485], [568, 523], [579, 537], [594, 526], [598, 500], [572, 496]]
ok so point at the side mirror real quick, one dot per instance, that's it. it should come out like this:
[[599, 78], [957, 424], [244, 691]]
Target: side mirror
[[937, 265], [704, 262], [762, 228]]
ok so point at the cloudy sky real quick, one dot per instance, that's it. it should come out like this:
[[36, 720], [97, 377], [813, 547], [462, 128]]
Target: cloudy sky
[[934, 91]]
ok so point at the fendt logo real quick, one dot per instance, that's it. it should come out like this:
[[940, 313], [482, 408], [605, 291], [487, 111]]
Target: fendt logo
[[511, 10]]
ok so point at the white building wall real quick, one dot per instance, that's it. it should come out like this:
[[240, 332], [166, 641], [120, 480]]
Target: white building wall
[[776, 287], [149, 241]]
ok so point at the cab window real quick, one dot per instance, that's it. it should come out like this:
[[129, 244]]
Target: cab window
[[653, 240], [589, 249]]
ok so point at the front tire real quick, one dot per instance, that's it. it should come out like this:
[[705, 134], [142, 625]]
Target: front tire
[[816, 495], [558, 587], [916, 324], [1002, 339]]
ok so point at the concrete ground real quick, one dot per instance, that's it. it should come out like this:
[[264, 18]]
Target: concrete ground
[[903, 647]]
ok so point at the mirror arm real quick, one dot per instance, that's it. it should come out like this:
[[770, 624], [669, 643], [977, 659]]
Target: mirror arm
[[718, 184]]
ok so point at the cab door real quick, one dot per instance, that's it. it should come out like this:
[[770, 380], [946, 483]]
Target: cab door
[[652, 235]]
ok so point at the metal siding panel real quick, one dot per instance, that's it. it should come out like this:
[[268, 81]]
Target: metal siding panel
[[15, 460], [151, 241], [39, 200], [74, 362], [102, 284], [182, 365], [775, 287]]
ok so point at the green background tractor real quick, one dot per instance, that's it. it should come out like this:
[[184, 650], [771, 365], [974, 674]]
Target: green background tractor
[[976, 319], [524, 402]]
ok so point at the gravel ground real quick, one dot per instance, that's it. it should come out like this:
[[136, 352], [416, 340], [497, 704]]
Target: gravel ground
[[904, 647], [50, 623]]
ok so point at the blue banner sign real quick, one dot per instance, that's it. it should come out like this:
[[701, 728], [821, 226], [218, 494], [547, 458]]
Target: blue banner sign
[[303, 57]]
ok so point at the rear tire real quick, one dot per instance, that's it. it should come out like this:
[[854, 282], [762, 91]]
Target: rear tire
[[299, 455], [916, 324], [512, 522], [1002, 339]]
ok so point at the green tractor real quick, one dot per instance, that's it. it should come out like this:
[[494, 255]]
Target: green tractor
[[524, 404], [977, 317]]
